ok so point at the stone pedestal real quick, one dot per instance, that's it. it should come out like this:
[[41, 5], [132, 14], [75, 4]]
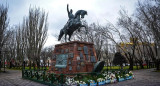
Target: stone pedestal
[[73, 57]]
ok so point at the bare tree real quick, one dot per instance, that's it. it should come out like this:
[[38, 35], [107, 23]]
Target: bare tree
[[92, 36], [4, 33], [149, 15], [36, 28], [46, 54], [11, 47], [128, 25]]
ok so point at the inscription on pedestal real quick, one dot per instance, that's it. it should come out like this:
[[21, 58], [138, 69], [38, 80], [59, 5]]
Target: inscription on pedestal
[[78, 58], [70, 55], [62, 51], [78, 67], [87, 58], [93, 59], [73, 57], [70, 67], [79, 48], [69, 62], [66, 50], [81, 55], [61, 61], [85, 50]]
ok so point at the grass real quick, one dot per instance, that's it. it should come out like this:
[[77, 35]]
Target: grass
[[27, 68], [157, 71], [104, 68], [36, 68], [125, 67]]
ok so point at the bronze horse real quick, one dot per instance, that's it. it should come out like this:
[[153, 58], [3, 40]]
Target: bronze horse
[[73, 25]]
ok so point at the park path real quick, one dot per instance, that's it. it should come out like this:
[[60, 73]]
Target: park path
[[14, 78], [145, 77]]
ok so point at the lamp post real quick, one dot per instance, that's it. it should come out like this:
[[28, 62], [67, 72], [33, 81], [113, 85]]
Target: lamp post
[[2, 55], [4, 52], [3, 62], [0, 61]]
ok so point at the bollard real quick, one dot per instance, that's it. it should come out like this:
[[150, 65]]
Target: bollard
[[44, 76], [37, 75], [31, 73], [61, 76]]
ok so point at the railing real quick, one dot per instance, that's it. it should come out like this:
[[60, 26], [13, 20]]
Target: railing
[[51, 78], [61, 79]]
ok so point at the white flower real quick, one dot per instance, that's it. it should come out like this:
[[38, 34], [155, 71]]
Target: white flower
[[77, 82], [112, 75], [127, 75], [130, 72], [84, 83], [91, 81], [118, 76], [81, 82]]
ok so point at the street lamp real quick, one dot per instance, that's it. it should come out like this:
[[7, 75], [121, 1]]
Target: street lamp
[[0, 62], [4, 52], [3, 61]]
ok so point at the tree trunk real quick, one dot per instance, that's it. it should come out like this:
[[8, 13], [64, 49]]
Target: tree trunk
[[141, 65], [131, 64], [42, 66], [121, 66], [147, 64], [34, 66], [10, 65], [38, 65], [157, 65], [30, 65], [136, 66], [48, 63], [24, 64], [110, 66], [0, 64]]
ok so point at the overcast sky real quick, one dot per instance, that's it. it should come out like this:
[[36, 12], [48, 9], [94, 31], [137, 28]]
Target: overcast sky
[[98, 11]]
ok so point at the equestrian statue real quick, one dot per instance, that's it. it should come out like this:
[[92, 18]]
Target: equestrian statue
[[73, 23]]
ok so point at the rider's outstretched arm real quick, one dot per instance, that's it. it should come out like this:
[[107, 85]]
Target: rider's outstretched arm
[[68, 8]]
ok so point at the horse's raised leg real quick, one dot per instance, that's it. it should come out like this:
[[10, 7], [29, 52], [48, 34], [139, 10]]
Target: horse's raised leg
[[69, 37], [60, 35], [65, 37]]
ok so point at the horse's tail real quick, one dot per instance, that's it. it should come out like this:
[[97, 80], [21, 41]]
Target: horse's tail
[[60, 35]]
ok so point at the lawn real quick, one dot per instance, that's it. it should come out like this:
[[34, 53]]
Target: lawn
[[27, 68], [104, 68], [36, 68], [125, 67]]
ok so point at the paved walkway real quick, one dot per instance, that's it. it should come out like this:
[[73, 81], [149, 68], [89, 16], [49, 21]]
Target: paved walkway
[[14, 78], [145, 77]]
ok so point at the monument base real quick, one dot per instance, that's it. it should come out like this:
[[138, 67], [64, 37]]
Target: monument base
[[73, 57]]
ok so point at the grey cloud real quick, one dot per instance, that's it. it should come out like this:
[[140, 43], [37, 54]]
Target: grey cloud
[[98, 10]]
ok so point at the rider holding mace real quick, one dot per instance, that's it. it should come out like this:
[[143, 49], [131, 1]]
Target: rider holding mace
[[74, 23], [70, 15]]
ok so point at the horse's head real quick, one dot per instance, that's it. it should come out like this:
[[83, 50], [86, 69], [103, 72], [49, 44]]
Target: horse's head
[[83, 13]]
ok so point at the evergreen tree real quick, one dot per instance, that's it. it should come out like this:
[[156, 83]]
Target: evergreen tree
[[119, 59]]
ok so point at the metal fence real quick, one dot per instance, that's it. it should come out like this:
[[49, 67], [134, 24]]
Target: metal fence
[[51, 78]]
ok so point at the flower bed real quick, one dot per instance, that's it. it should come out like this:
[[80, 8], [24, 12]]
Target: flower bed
[[80, 79], [103, 78]]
